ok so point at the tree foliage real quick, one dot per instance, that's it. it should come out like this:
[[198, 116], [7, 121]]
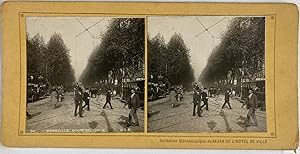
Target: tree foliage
[[240, 53], [120, 54], [157, 56], [51, 60], [36, 49], [58, 64], [170, 60]]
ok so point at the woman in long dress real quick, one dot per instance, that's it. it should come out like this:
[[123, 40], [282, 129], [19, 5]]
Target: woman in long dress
[[173, 97], [54, 98]]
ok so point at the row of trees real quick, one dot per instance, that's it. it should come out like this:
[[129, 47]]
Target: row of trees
[[49, 61], [170, 60], [241, 53], [120, 55]]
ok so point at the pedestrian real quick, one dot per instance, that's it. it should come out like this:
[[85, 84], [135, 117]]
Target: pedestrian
[[217, 93], [196, 101], [59, 94], [179, 93], [173, 97], [78, 101], [204, 98], [227, 95], [108, 99], [133, 104], [54, 99], [86, 99], [63, 90], [98, 93], [251, 106], [233, 93], [114, 94]]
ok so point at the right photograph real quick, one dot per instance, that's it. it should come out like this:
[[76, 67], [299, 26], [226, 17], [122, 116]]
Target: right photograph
[[206, 74]]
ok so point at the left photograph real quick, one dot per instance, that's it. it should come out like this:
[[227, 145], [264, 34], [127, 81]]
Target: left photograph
[[85, 74]]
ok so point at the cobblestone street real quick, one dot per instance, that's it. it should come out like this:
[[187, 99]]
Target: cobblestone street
[[164, 118], [46, 119]]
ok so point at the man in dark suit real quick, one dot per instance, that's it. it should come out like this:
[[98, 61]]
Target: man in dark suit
[[133, 104], [251, 106], [196, 100], [108, 99], [204, 98], [227, 94], [78, 100]]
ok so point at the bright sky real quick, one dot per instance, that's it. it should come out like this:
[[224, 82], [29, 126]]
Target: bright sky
[[81, 46], [188, 26]]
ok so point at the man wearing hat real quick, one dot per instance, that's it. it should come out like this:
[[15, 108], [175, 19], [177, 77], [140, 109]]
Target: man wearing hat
[[133, 104], [227, 94], [86, 99], [78, 100], [251, 106], [108, 99], [196, 100], [204, 98]]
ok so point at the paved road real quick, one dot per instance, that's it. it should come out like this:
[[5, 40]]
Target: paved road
[[61, 119], [164, 118]]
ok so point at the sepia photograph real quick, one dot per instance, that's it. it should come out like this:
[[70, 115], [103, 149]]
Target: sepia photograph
[[206, 74], [85, 74], [151, 75]]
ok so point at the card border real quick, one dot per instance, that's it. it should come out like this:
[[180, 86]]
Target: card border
[[273, 9]]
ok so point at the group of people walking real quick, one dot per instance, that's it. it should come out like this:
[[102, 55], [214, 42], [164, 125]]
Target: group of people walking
[[133, 103], [251, 103], [200, 95], [176, 95], [57, 94], [83, 96]]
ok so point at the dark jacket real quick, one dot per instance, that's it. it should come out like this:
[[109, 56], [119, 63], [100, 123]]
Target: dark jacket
[[108, 96], [134, 102], [85, 96], [227, 94], [204, 96], [78, 94], [196, 96], [252, 102]]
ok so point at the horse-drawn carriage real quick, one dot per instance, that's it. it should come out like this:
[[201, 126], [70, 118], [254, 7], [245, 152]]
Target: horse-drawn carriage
[[95, 91], [156, 91], [212, 91], [36, 91]]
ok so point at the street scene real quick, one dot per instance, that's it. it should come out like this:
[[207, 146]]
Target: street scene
[[206, 74], [85, 74], [164, 118], [97, 120]]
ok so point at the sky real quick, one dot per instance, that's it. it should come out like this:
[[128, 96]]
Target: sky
[[189, 27], [80, 47]]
